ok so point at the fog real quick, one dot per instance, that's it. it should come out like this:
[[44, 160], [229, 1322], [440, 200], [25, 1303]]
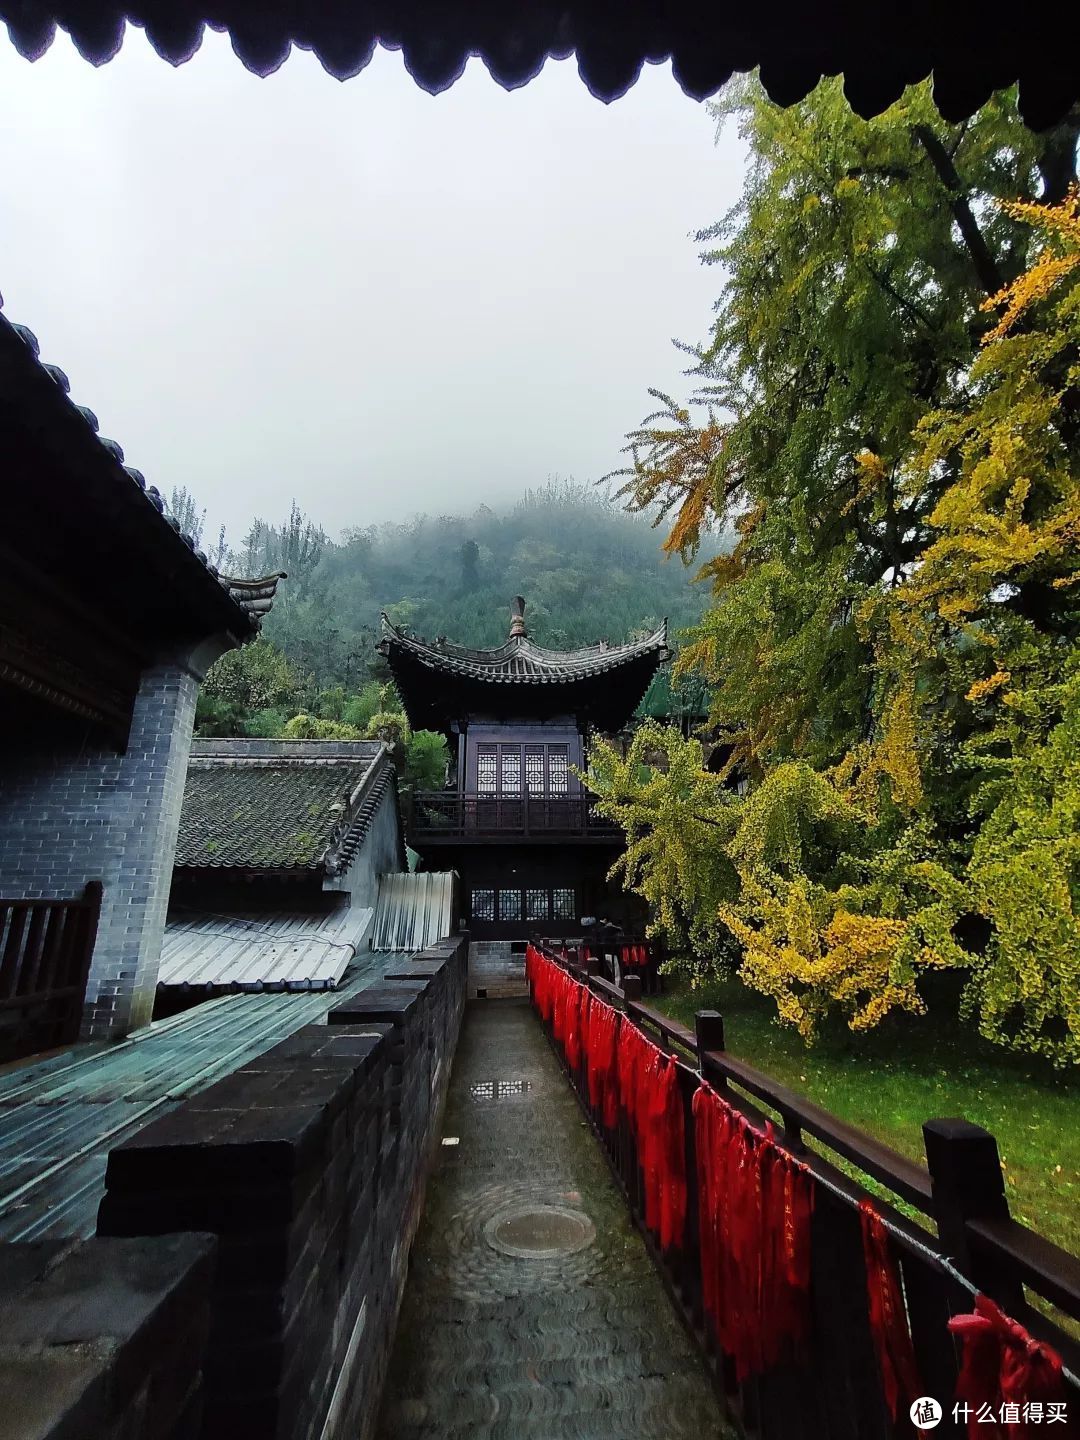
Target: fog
[[372, 299]]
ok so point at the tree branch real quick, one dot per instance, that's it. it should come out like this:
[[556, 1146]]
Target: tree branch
[[986, 267]]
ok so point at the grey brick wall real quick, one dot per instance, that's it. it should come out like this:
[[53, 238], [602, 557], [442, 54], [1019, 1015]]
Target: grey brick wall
[[309, 1164], [70, 816], [104, 1339]]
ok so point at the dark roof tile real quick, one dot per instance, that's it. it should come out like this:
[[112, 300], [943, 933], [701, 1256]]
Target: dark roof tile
[[879, 49], [237, 590], [520, 660], [280, 805]]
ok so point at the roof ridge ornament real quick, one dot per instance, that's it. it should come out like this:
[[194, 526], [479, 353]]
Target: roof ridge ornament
[[517, 619]]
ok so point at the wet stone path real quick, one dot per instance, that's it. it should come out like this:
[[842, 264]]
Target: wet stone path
[[532, 1310]]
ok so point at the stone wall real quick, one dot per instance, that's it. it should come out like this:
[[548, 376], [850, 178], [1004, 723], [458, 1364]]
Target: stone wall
[[103, 1339], [309, 1164], [70, 816]]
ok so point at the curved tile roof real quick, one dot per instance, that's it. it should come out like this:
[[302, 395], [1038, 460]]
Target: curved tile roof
[[279, 805], [519, 660], [878, 48], [253, 598]]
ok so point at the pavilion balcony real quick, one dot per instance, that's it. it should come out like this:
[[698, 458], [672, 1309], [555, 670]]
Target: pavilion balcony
[[447, 815]]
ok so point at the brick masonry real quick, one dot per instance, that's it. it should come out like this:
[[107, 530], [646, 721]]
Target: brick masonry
[[103, 1339], [309, 1165], [89, 813], [496, 969]]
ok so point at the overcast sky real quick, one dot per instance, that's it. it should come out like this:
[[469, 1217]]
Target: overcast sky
[[372, 299]]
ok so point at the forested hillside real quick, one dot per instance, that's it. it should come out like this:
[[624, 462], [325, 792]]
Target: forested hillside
[[588, 571]]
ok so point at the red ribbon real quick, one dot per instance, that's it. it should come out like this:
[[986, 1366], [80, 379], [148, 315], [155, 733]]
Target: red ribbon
[[622, 1068], [663, 1152], [888, 1316], [754, 1204], [601, 1050], [1002, 1364]]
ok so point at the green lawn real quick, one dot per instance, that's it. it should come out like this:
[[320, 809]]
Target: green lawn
[[910, 1070]]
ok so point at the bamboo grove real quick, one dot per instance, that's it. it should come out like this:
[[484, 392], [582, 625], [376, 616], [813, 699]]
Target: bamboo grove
[[885, 418]]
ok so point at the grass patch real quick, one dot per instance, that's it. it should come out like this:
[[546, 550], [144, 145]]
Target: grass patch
[[909, 1070]]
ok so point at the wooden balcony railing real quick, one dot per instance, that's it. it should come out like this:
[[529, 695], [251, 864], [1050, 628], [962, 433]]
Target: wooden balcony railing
[[964, 1240], [45, 950], [450, 814]]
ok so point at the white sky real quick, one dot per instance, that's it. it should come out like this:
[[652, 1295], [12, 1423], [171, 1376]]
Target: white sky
[[373, 299]]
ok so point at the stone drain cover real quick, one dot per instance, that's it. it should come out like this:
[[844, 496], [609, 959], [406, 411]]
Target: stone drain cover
[[539, 1232]]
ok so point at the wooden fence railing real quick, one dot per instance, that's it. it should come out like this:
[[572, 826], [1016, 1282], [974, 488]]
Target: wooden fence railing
[[966, 1243], [45, 952], [624, 955], [436, 814]]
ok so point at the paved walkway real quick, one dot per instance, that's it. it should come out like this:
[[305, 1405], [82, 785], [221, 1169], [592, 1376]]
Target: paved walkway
[[504, 1335]]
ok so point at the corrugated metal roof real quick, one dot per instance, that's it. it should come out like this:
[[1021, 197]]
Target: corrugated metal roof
[[252, 951], [413, 911], [60, 1117]]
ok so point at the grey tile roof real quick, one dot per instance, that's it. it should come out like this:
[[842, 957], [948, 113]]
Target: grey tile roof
[[520, 660], [253, 597], [273, 805], [880, 49]]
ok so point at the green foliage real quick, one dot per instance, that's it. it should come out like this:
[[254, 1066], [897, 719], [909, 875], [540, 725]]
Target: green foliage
[[795, 882], [677, 819], [372, 698], [1025, 878], [330, 704], [309, 727], [254, 677], [426, 760], [217, 717], [265, 724], [889, 642], [388, 725]]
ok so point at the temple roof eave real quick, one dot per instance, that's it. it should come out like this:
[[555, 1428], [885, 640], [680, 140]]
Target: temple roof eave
[[520, 661]]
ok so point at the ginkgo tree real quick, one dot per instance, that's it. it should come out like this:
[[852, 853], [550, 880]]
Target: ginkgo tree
[[891, 398]]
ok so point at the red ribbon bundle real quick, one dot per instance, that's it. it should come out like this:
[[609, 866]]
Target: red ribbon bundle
[[621, 1067], [888, 1317], [755, 1203], [662, 1150], [576, 1020], [601, 1049], [541, 975], [1002, 1364]]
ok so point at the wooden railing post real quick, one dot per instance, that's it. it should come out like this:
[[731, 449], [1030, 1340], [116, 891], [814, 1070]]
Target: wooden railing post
[[709, 1033], [968, 1184], [631, 988]]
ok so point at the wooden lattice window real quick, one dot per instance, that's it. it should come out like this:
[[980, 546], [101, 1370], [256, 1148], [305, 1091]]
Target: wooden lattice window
[[483, 904], [509, 904], [558, 770], [511, 770], [562, 904], [537, 905], [487, 772], [534, 769]]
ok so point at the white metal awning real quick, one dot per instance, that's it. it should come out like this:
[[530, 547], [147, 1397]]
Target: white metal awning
[[252, 951]]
